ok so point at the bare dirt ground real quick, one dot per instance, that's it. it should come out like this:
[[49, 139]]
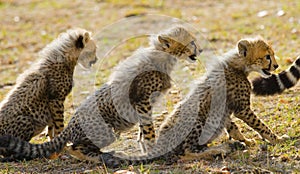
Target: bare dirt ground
[[28, 25]]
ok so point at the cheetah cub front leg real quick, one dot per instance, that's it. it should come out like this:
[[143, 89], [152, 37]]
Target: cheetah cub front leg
[[57, 125], [253, 121], [146, 138], [146, 135]]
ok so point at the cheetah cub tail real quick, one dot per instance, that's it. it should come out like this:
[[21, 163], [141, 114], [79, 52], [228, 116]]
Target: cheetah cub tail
[[15, 149], [277, 83]]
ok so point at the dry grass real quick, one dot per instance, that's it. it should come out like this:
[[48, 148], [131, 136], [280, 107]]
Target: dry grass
[[27, 26]]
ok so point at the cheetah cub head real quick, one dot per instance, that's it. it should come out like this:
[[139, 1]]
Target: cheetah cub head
[[258, 56], [178, 42], [88, 48]]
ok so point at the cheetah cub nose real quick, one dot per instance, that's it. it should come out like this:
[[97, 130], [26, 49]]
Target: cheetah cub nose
[[276, 66]]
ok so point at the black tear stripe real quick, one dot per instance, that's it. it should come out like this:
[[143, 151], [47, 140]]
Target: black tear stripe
[[271, 85], [270, 64]]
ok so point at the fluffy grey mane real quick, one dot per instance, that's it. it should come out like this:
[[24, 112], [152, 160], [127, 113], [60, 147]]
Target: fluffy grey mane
[[177, 33], [56, 52], [143, 60], [64, 44]]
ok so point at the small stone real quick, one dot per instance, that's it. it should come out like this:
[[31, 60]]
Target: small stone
[[195, 18], [17, 19], [43, 32], [262, 14], [204, 30], [262, 27], [280, 13], [294, 30]]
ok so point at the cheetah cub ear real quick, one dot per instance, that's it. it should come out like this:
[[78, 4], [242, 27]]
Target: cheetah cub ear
[[242, 47], [83, 40], [165, 41]]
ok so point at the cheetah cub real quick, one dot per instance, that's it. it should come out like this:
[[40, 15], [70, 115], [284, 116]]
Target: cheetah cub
[[118, 105], [37, 99], [206, 111]]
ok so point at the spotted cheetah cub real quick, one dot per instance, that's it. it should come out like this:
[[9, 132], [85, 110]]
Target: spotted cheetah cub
[[206, 111], [37, 99], [118, 105]]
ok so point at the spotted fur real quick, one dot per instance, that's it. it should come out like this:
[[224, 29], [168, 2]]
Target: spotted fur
[[37, 99], [126, 99], [205, 112]]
